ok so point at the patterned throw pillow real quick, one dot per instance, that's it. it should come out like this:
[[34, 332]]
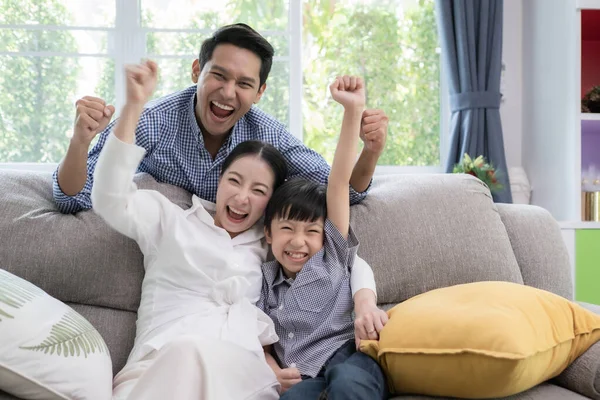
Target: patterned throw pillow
[[47, 350]]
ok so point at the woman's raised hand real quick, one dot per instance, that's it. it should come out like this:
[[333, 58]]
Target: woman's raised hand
[[141, 81]]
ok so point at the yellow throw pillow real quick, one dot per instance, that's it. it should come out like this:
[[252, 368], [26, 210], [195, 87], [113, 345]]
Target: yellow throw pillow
[[481, 340]]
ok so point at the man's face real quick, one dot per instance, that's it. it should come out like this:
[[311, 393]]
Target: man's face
[[227, 87]]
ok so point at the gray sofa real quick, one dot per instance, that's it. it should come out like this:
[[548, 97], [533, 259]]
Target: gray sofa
[[419, 232]]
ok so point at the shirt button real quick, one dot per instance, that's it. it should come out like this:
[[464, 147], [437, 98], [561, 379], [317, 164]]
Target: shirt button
[[293, 365], [291, 335], [281, 307]]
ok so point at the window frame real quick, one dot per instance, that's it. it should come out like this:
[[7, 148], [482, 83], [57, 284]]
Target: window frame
[[131, 47]]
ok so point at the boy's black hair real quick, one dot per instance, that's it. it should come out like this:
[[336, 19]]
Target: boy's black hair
[[266, 152], [243, 36], [299, 200]]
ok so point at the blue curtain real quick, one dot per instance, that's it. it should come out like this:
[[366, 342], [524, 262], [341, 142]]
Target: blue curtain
[[470, 34]]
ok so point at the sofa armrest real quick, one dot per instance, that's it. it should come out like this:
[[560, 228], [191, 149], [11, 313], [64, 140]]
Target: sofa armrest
[[583, 375]]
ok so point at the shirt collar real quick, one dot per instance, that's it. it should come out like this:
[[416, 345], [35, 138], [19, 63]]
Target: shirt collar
[[273, 273]]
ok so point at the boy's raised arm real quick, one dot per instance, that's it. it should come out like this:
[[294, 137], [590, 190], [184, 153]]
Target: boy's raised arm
[[350, 93]]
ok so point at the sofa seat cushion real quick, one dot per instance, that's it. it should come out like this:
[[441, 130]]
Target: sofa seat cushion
[[47, 350], [481, 340]]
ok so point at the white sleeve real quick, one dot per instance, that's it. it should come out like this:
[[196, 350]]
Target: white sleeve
[[362, 277], [132, 212]]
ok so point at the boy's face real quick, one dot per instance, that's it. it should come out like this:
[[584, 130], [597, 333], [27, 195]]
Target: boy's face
[[226, 88], [293, 243]]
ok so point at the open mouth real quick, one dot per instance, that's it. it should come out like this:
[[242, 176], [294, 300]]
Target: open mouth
[[220, 110], [235, 215], [296, 256]]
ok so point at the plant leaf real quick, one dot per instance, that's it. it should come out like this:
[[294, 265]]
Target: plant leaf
[[16, 292], [72, 336]]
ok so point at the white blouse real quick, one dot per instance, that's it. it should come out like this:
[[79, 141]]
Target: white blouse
[[198, 279]]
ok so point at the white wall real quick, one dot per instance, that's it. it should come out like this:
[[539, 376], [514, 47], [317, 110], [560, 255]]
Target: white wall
[[511, 108]]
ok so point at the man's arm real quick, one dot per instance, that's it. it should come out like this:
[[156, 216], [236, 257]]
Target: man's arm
[[72, 179], [373, 133]]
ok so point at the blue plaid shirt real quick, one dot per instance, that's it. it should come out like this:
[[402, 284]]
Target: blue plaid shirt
[[175, 151], [312, 313]]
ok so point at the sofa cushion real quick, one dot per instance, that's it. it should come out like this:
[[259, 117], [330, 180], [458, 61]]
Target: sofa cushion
[[481, 340], [544, 263], [423, 232], [75, 258], [583, 375], [47, 350]]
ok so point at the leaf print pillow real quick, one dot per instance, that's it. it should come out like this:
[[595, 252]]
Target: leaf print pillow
[[47, 350]]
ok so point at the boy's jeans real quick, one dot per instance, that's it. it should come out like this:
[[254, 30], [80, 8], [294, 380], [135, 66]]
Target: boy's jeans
[[348, 375]]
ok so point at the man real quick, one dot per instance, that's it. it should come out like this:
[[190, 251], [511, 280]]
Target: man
[[188, 134]]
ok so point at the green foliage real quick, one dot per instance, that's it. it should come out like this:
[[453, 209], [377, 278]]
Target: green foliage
[[35, 106], [72, 336], [396, 54]]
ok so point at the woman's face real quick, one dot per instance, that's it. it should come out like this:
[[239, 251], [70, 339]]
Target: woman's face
[[243, 193]]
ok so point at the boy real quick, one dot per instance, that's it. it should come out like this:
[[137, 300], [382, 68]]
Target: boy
[[306, 289]]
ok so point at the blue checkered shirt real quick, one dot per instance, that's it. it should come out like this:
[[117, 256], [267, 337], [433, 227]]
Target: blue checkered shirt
[[312, 313], [175, 151]]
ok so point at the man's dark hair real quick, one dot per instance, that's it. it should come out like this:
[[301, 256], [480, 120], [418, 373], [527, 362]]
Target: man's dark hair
[[298, 199], [240, 35]]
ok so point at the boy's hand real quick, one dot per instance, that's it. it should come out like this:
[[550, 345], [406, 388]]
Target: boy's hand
[[349, 91], [373, 130], [141, 82], [92, 115], [369, 321], [288, 377]]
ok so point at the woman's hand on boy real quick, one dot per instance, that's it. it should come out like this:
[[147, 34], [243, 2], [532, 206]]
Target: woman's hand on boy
[[287, 378], [369, 319], [349, 91]]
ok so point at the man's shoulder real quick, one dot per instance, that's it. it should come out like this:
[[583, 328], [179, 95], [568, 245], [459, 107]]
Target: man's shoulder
[[262, 125]]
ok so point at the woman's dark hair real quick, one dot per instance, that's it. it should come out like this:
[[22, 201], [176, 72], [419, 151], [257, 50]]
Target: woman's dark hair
[[266, 152], [240, 35], [298, 200]]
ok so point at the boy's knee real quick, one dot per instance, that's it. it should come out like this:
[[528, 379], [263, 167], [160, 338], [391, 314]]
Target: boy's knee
[[347, 381], [344, 378]]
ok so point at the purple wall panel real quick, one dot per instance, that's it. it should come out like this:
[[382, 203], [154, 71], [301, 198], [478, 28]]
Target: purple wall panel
[[590, 144]]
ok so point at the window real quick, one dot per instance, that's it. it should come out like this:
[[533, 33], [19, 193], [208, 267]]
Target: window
[[55, 51]]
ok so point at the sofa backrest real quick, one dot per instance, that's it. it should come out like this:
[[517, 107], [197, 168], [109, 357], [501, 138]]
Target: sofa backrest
[[423, 232], [418, 232]]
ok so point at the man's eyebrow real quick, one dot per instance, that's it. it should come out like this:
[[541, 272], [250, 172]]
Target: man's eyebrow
[[225, 71]]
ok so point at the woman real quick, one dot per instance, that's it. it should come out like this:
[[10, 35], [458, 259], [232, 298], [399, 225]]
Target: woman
[[203, 272]]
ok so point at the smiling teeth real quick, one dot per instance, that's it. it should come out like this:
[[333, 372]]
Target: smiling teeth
[[296, 255], [223, 106], [237, 211]]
